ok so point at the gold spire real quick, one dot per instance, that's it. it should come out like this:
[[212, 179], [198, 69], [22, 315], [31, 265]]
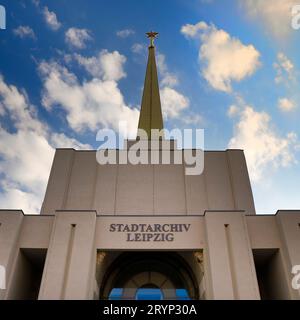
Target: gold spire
[[151, 114]]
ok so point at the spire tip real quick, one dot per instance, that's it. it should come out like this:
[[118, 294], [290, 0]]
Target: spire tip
[[152, 35]]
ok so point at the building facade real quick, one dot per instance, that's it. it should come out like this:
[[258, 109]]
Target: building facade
[[114, 231]]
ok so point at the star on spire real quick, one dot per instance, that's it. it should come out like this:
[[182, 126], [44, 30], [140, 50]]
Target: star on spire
[[152, 35]]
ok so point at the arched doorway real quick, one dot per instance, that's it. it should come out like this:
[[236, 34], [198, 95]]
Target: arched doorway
[[149, 276]]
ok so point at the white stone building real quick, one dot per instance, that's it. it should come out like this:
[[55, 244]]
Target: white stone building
[[108, 231]]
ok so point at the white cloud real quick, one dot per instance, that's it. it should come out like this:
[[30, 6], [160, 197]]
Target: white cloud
[[17, 106], [287, 76], [173, 102], [24, 32], [192, 30], [284, 69], [28, 158], [225, 58], [125, 33], [14, 198], [51, 19], [233, 110], [263, 147], [2, 110], [36, 2], [286, 105], [168, 78], [26, 152], [192, 119], [275, 15], [107, 65], [138, 48], [110, 66], [60, 140], [77, 37], [90, 105]]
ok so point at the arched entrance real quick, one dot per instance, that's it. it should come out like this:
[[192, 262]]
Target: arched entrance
[[149, 276]]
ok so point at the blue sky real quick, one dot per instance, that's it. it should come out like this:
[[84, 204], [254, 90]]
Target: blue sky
[[68, 69]]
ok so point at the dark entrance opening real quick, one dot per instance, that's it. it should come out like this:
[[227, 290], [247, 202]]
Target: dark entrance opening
[[270, 274], [27, 274], [149, 276]]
